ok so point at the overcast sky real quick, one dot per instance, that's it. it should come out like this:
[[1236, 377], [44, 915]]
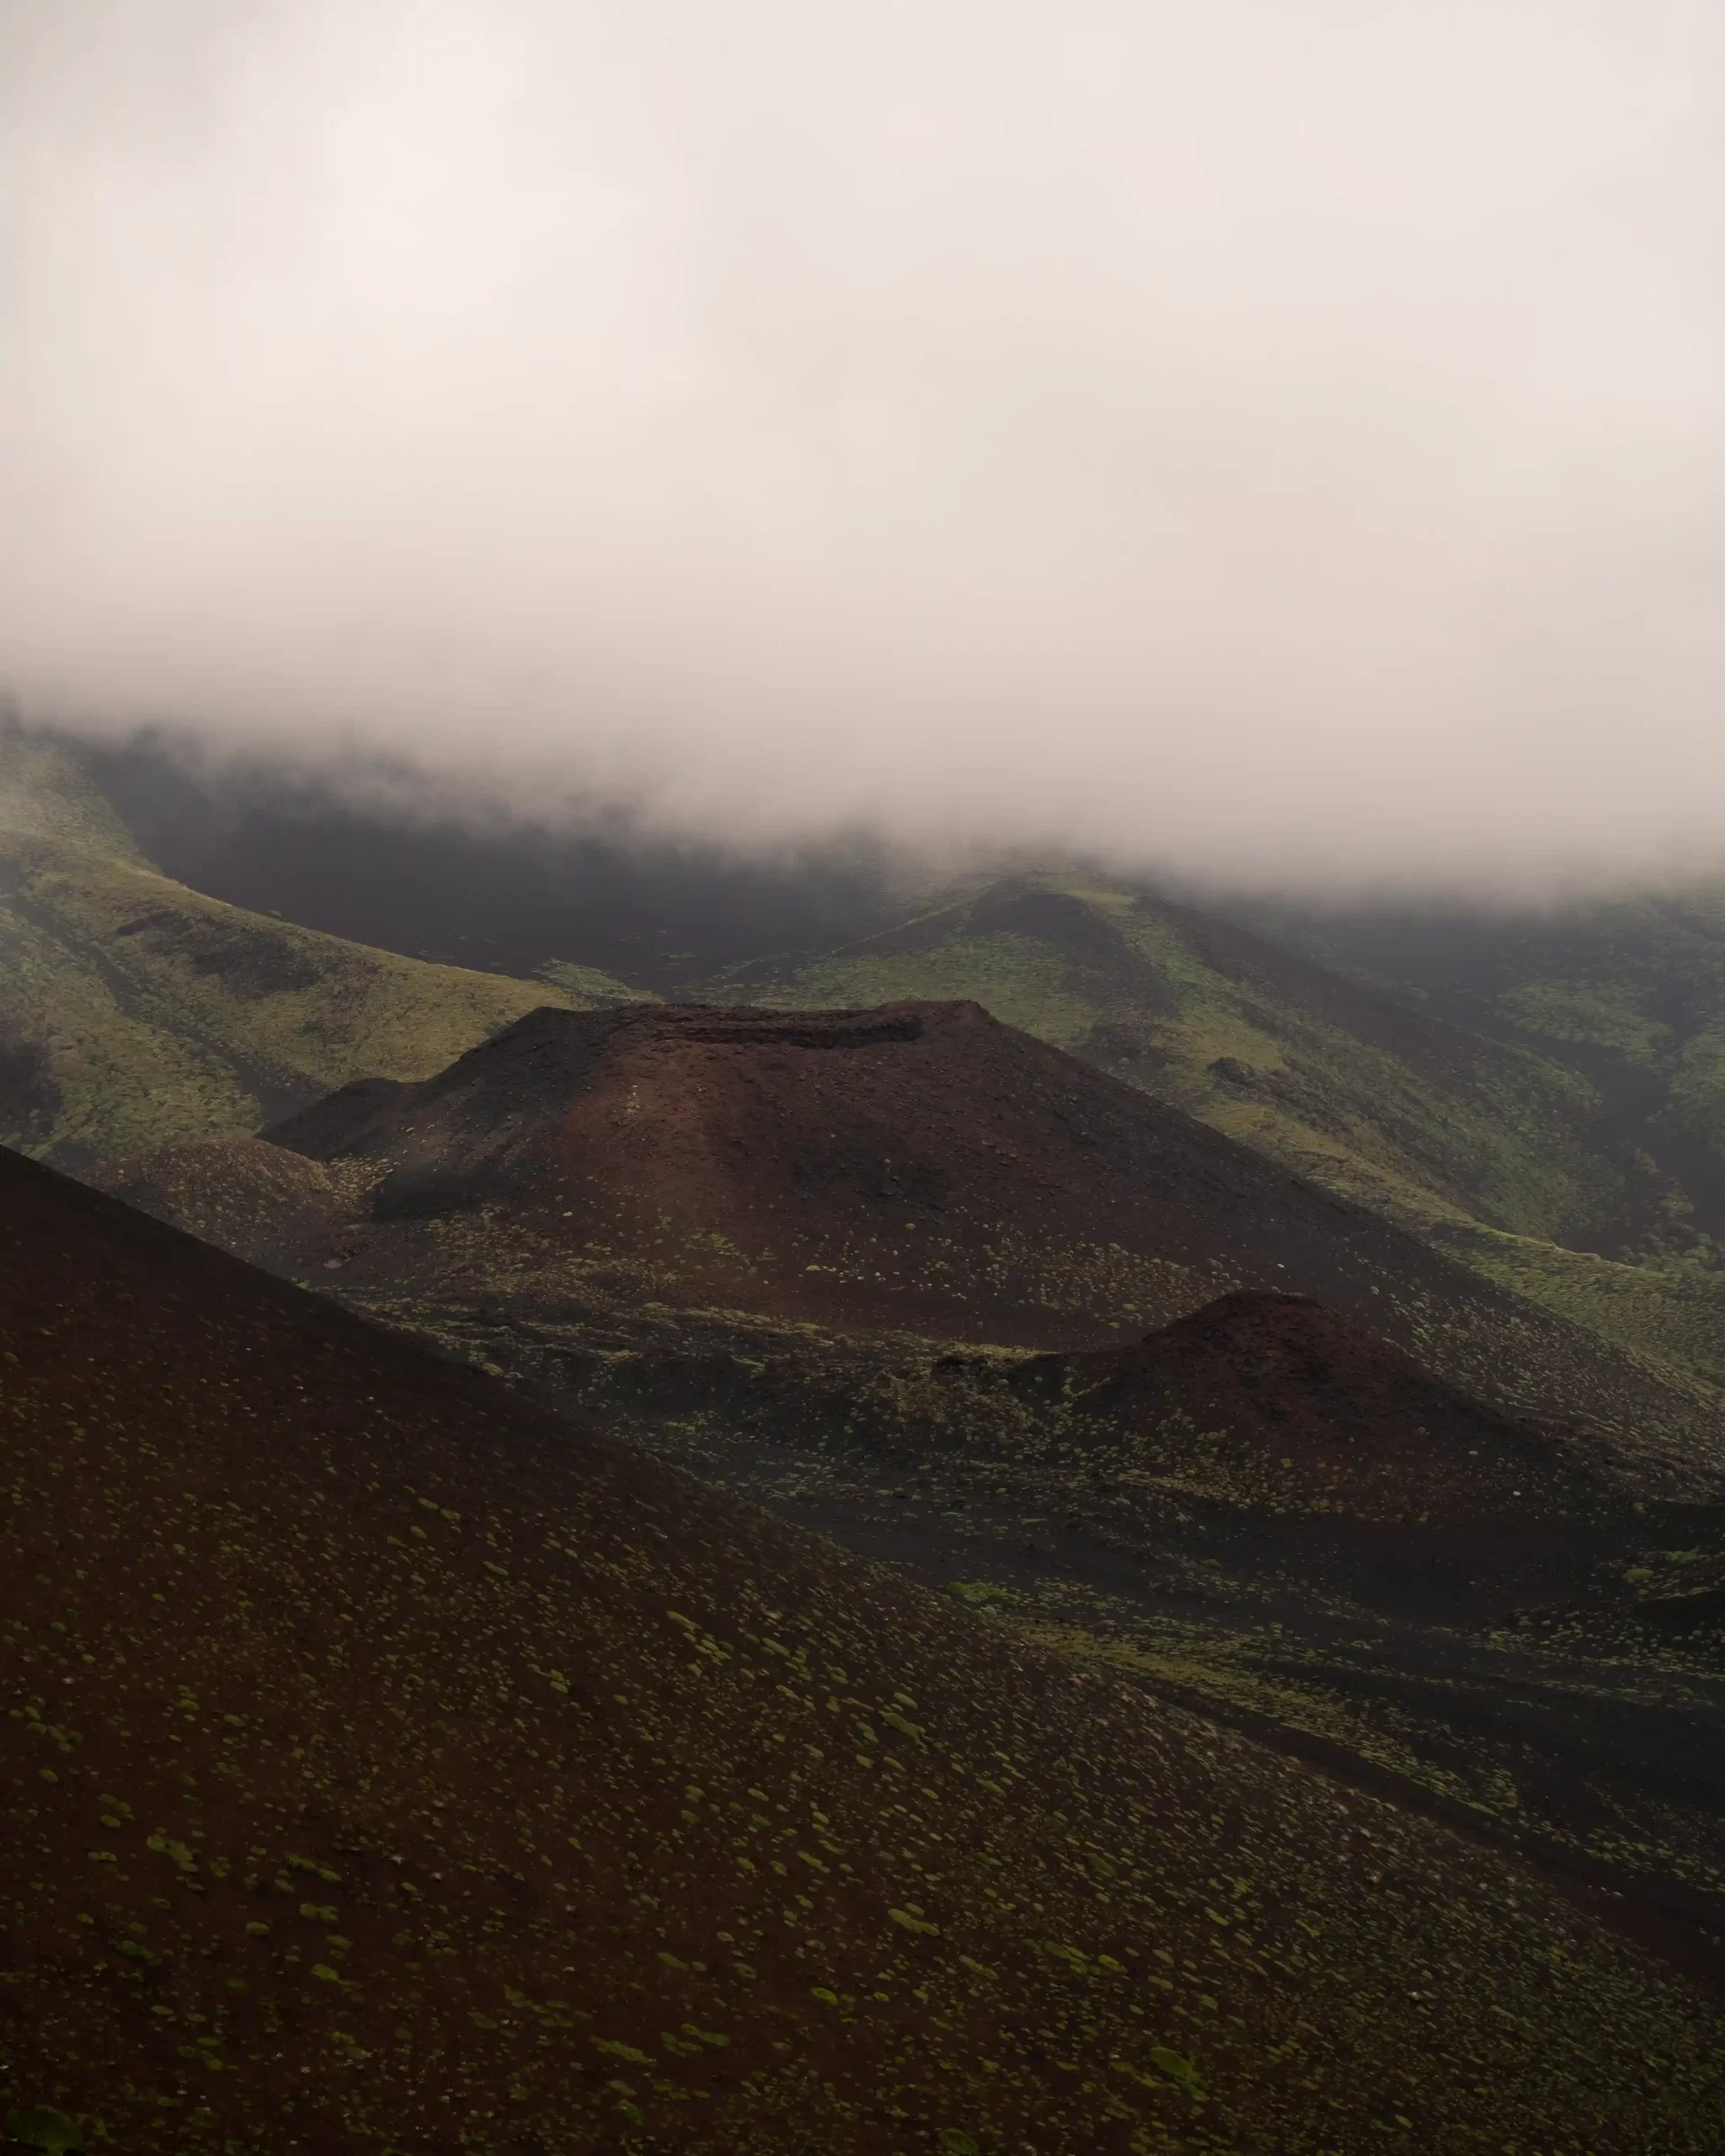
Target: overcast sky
[[1284, 439]]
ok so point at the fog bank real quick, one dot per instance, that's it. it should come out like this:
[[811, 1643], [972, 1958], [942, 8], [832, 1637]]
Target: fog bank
[[1283, 445]]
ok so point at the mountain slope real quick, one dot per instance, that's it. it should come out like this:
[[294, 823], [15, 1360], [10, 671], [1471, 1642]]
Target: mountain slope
[[1427, 1068], [780, 1249], [921, 1168], [1630, 991], [1417, 1118], [134, 1012], [688, 1832]]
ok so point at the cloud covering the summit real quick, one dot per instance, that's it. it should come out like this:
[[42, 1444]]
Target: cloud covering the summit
[[1281, 443]]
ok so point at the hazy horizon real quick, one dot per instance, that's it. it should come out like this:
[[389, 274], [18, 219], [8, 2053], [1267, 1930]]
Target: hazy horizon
[[1279, 448]]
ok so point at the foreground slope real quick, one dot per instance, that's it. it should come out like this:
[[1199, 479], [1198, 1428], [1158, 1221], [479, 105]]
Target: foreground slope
[[1266, 1509], [921, 1167], [391, 1767], [134, 1012]]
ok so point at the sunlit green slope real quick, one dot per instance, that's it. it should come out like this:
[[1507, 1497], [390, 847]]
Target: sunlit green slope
[[134, 1012]]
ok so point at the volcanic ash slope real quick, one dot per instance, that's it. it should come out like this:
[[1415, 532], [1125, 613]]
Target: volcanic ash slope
[[389, 1765]]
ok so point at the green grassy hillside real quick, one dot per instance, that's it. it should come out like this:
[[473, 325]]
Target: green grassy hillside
[[1630, 994], [1631, 990], [134, 1012], [1672, 1317], [1423, 1120]]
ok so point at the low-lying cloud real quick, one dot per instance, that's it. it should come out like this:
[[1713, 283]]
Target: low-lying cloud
[[1283, 443]]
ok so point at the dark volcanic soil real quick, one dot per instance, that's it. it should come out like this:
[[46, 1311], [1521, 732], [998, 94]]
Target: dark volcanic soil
[[1304, 1410], [1457, 1604], [391, 1766], [253, 1200], [920, 1164]]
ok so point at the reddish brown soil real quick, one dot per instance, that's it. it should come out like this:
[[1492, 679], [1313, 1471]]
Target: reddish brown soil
[[919, 1167], [920, 1164], [1304, 1402], [253, 1200], [387, 1767]]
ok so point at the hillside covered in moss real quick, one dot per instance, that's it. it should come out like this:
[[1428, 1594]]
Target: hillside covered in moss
[[1630, 990], [136, 1013]]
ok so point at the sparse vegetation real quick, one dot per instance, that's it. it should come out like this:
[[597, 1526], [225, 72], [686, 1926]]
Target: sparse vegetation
[[594, 1769]]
